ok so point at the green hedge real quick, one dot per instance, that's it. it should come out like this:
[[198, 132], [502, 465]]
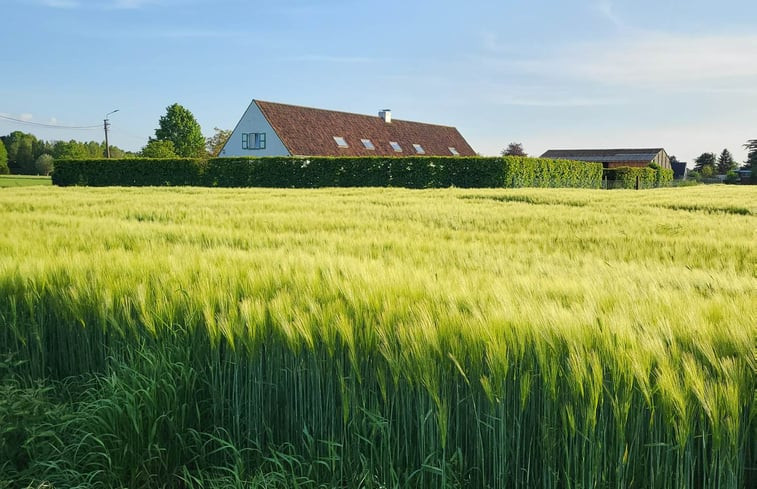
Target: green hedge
[[313, 172], [129, 172], [648, 177], [664, 177], [543, 172]]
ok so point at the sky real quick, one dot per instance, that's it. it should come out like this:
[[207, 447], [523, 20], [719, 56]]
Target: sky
[[550, 74]]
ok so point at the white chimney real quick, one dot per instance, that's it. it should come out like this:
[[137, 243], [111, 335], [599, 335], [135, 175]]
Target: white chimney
[[386, 114]]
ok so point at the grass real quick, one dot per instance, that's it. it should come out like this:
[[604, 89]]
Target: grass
[[23, 180], [384, 337]]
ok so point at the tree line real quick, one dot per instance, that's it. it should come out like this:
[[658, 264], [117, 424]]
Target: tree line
[[24, 153], [178, 135], [708, 165]]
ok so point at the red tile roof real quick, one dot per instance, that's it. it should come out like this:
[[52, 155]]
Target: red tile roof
[[310, 132]]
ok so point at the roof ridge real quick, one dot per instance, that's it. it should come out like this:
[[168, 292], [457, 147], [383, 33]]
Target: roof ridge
[[608, 149], [256, 101]]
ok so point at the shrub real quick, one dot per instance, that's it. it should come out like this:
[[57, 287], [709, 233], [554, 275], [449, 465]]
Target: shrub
[[663, 177], [543, 172], [44, 164], [648, 177]]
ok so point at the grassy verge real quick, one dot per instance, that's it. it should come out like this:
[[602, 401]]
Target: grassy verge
[[23, 180]]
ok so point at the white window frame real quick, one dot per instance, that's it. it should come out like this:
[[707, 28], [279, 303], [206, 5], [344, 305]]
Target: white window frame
[[341, 142], [395, 146], [419, 149]]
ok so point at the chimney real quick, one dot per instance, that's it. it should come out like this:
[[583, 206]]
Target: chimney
[[386, 115]]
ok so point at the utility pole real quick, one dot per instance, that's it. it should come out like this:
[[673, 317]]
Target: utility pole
[[106, 125]]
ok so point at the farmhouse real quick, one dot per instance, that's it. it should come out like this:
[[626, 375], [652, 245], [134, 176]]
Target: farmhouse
[[613, 158], [273, 129]]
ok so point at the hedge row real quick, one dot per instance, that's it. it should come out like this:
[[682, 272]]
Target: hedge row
[[648, 177], [410, 172], [129, 172], [313, 172]]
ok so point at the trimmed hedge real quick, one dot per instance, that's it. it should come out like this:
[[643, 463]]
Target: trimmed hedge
[[129, 172], [313, 172], [649, 177]]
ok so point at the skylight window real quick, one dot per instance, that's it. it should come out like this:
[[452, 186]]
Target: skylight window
[[453, 151], [341, 142], [395, 146], [419, 149], [368, 144]]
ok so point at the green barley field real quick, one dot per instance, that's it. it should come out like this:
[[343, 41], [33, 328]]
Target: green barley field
[[378, 338]]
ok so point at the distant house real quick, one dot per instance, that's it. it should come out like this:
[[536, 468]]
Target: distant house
[[273, 129], [613, 158]]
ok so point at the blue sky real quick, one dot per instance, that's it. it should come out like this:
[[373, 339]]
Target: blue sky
[[546, 73]]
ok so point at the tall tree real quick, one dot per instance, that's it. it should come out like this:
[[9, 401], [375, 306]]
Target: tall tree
[[158, 149], [180, 127], [44, 164], [705, 160], [215, 143], [20, 148], [751, 159], [115, 152], [4, 170], [514, 149], [725, 162], [72, 150]]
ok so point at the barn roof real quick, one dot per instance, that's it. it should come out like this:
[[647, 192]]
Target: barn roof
[[604, 155], [310, 131]]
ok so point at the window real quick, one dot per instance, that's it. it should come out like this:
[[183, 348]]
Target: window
[[368, 144], [341, 142], [453, 151], [395, 146], [253, 140], [419, 149]]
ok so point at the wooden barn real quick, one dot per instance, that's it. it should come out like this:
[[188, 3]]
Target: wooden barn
[[614, 158]]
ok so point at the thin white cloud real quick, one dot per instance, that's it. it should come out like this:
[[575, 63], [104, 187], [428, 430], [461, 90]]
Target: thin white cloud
[[322, 58], [130, 4], [63, 4], [26, 117], [168, 33], [506, 93], [561, 102], [190, 33], [99, 5], [607, 9], [655, 60]]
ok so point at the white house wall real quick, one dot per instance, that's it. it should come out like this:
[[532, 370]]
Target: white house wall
[[253, 120]]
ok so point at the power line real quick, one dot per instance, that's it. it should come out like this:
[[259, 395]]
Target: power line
[[54, 126]]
